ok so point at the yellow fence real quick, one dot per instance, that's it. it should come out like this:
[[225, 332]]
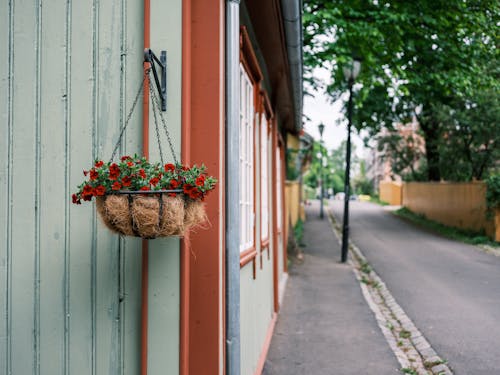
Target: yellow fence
[[391, 192], [461, 205], [292, 202]]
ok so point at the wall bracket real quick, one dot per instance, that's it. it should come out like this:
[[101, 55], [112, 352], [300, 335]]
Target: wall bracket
[[161, 83]]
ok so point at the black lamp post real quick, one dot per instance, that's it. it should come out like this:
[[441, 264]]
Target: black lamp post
[[350, 73], [321, 127]]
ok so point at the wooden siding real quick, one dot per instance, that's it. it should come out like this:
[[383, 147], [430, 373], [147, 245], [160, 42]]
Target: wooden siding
[[69, 289]]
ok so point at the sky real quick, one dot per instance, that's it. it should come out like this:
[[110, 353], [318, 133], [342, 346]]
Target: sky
[[320, 110]]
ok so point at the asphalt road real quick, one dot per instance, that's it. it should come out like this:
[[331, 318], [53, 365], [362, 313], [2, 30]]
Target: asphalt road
[[450, 290]]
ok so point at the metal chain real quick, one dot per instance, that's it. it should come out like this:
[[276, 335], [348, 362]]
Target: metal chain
[[151, 91], [122, 131], [157, 106]]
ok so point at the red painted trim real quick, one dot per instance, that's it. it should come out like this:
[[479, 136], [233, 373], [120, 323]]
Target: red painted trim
[[248, 57], [203, 142], [264, 243], [247, 256], [145, 247], [267, 344], [185, 157]]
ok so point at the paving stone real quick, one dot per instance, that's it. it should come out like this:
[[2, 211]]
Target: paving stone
[[440, 369]]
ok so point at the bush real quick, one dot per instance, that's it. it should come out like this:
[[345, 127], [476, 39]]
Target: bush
[[492, 194]]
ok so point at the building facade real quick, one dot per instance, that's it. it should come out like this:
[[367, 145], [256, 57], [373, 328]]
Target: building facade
[[78, 299]]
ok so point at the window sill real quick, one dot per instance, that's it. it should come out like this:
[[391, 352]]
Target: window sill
[[247, 256]]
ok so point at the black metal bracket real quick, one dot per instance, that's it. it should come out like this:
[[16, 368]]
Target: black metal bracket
[[151, 58]]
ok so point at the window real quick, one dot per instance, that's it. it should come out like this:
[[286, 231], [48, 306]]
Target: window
[[278, 189], [264, 178], [246, 161]]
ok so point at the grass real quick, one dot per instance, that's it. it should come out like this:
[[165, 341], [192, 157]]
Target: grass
[[462, 235], [409, 371], [376, 199], [404, 334]]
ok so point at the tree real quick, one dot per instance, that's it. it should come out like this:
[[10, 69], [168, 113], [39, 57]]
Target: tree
[[404, 149], [471, 142], [334, 166], [417, 56], [361, 183]]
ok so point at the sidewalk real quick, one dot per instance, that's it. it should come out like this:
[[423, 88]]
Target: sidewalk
[[325, 326]]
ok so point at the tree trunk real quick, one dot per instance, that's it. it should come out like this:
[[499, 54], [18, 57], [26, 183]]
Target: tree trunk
[[432, 136]]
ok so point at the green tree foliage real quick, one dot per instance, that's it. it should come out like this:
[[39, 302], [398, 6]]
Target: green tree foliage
[[405, 153], [361, 183], [419, 58], [334, 167], [471, 137]]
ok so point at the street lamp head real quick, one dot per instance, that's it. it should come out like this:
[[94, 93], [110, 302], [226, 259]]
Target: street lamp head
[[351, 70], [321, 127]]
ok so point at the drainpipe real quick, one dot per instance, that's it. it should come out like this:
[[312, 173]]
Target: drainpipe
[[232, 187], [292, 11]]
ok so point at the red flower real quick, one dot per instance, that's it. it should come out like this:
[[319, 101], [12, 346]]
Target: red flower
[[174, 184], [130, 163], [114, 171], [184, 168], [145, 188], [99, 164], [187, 188], [172, 194], [75, 199], [142, 173], [126, 181], [87, 197], [93, 174], [116, 186], [87, 189], [85, 172], [169, 167], [194, 193], [200, 181], [154, 181], [126, 157], [100, 190]]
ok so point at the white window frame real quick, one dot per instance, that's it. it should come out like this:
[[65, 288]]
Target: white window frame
[[247, 110], [264, 178], [279, 196]]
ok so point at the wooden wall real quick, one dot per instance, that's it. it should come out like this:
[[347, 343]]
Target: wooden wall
[[69, 289]]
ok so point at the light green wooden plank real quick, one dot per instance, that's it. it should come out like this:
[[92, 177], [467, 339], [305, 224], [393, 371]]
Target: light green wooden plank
[[164, 284], [163, 338], [5, 56], [24, 172], [52, 189], [81, 217], [108, 323], [131, 305]]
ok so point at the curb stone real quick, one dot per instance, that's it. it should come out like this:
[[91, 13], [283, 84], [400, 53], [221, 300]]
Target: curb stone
[[413, 351]]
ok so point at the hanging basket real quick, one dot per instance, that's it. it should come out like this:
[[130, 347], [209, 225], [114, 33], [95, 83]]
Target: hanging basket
[[143, 215], [137, 198]]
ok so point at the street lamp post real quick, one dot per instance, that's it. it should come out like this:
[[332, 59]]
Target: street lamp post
[[350, 73], [321, 127]]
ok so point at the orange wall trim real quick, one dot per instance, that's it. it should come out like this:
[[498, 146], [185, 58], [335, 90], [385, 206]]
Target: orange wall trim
[[185, 157], [267, 344], [202, 253]]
